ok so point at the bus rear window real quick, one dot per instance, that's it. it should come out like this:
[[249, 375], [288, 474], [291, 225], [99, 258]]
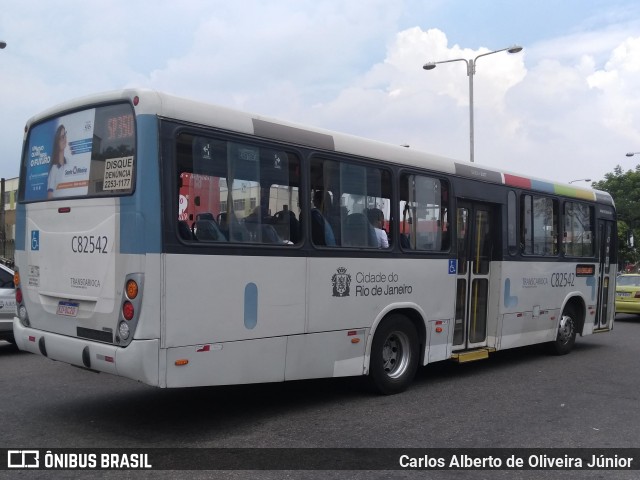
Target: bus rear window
[[82, 154]]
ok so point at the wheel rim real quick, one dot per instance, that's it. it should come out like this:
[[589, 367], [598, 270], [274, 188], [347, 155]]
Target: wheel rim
[[565, 330], [396, 353]]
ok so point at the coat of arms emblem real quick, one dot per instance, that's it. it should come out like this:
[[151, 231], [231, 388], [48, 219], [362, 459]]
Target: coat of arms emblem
[[341, 282]]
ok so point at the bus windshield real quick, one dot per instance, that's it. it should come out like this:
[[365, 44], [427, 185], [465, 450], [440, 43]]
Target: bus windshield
[[82, 154]]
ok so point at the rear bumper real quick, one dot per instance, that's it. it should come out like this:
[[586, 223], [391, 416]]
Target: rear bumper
[[138, 361]]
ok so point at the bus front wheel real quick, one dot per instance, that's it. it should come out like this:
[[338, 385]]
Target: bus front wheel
[[566, 335], [394, 355]]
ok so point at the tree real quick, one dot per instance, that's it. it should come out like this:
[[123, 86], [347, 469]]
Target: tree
[[624, 187]]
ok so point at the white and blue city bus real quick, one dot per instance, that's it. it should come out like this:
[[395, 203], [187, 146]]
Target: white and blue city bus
[[182, 244]]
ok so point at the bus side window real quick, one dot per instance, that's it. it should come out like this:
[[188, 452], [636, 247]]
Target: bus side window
[[423, 213]]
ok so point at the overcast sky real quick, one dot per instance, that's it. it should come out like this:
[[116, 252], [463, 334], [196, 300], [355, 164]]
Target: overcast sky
[[567, 107]]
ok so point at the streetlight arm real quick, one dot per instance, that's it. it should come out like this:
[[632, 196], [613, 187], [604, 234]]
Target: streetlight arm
[[432, 65], [512, 49]]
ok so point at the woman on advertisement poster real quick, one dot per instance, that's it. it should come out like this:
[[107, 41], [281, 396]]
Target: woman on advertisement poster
[[58, 161]]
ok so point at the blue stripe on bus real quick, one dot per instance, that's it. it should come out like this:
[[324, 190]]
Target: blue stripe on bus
[[21, 218], [140, 214], [542, 186], [250, 305], [510, 301]]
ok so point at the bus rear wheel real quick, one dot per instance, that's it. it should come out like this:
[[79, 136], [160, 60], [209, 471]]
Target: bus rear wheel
[[394, 355], [566, 336]]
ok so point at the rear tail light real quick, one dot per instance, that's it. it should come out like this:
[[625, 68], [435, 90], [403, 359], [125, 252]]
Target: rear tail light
[[130, 307], [20, 306], [127, 310], [124, 331], [132, 289]]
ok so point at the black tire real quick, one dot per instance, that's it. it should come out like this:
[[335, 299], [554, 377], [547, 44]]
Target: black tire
[[394, 355], [566, 335]]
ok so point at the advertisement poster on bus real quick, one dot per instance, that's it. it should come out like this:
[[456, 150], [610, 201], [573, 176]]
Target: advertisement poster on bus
[[59, 157]]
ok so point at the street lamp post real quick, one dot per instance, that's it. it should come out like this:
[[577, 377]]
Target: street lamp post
[[580, 180], [471, 71]]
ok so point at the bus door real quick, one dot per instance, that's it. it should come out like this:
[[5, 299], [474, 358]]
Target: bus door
[[605, 272], [474, 234]]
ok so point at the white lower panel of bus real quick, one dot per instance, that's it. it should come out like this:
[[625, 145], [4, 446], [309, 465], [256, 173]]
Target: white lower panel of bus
[[520, 329], [248, 361], [326, 354], [440, 339], [318, 355]]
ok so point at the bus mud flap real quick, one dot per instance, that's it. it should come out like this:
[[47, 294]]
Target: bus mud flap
[[42, 347], [86, 357]]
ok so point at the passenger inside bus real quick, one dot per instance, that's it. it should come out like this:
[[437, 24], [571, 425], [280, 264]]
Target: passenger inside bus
[[358, 232], [376, 217], [287, 225], [321, 230]]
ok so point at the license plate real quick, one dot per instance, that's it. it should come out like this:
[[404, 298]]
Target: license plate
[[623, 294], [68, 309]]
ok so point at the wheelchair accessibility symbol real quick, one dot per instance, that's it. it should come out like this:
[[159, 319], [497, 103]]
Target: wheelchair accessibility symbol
[[453, 266], [35, 239]]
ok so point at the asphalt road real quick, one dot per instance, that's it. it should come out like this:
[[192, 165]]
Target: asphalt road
[[519, 398]]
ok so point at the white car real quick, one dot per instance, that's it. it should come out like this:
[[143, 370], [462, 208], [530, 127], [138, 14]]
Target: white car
[[7, 303]]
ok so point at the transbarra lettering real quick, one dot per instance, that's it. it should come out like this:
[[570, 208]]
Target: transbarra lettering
[[85, 282]]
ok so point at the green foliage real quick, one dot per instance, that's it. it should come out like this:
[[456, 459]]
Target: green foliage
[[624, 187]]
